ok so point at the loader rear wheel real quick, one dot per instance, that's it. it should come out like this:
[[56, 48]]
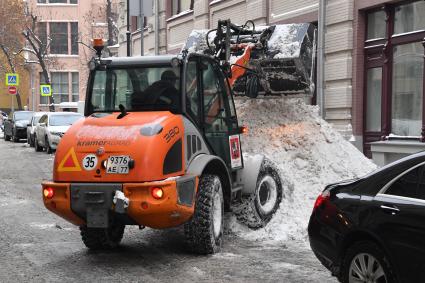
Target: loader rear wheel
[[257, 210], [102, 238], [205, 230]]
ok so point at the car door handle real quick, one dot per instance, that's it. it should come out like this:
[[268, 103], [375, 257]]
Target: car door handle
[[390, 208]]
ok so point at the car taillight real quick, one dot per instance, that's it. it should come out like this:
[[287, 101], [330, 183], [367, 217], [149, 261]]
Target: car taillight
[[321, 199], [157, 193], [48, 193]]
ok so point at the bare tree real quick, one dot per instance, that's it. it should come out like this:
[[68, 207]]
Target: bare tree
[[11, 41], [39, 48], [112, 24]]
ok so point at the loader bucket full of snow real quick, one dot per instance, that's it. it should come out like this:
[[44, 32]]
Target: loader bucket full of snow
[[282, 58]]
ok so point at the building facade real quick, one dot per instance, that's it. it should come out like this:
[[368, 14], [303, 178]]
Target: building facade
[[69, 25], [373, 59]]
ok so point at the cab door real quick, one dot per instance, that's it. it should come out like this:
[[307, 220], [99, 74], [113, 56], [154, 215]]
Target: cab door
[[219, 116]]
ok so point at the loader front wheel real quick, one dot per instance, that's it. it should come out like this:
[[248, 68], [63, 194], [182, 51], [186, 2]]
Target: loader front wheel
[[205, 230], [102, 238], [257, 209], [252, 86]]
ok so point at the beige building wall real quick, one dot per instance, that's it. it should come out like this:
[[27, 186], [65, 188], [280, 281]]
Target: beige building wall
[[338, 64], [205, 14]]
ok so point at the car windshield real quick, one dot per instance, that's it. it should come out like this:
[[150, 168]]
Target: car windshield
[[63, 120], [137, 89], [36, 119], [23, 116]]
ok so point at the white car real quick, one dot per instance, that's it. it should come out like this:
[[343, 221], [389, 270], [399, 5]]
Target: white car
[[50, 129], [31, 127]]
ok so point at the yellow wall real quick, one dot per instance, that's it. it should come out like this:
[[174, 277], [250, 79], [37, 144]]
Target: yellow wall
[[24, 86]]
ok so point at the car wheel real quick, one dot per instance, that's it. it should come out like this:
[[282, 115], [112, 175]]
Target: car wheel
[[257, 210], [366, 262], [49, 149], [204, 231], [31, 140], [14, 137], [37, 147]]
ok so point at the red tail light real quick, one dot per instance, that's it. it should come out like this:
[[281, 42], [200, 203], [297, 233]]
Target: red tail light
[[48, 193], [157, 193], [321, 199]]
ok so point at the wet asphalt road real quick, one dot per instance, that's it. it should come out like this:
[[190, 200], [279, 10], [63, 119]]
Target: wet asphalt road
[[37, 246]]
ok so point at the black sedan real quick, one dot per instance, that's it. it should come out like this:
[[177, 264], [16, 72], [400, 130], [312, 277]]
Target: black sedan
[[15, 127], [372, 229]]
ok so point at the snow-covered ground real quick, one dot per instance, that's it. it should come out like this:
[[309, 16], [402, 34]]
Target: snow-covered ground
[[309, 153]]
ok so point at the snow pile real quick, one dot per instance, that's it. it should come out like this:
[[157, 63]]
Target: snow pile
[[285, 39], [196, 41], [309, 153]]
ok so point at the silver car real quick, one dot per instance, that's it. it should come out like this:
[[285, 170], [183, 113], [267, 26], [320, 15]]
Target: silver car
[[31, 127], [50, 129]]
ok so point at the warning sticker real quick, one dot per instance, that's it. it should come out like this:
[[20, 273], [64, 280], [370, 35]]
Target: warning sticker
[[235, 151], [69, 163]]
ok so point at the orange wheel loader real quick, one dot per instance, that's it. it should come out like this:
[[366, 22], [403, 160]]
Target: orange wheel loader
[[159, 147]]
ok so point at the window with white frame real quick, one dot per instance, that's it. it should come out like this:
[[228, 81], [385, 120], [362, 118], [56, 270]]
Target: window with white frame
[[64, 36], [75, 87], [60, 86], [178, 6]]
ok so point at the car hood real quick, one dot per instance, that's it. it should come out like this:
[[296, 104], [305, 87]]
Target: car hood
[[22, 123], [58, 129]]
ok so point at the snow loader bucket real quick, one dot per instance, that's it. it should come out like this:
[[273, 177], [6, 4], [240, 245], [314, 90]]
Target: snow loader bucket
[[281, 58]]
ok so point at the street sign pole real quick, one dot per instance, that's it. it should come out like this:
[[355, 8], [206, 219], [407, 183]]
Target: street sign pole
[[12, 80], [12, 108]]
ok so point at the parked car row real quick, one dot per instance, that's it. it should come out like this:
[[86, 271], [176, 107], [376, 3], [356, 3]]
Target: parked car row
[[42, 130]]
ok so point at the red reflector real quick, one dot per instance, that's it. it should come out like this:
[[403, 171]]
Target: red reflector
[[321, 198], [48, 193], [157, 193]]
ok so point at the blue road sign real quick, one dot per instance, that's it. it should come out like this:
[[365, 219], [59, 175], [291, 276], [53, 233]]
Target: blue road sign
[[46, 90], [12, 79]]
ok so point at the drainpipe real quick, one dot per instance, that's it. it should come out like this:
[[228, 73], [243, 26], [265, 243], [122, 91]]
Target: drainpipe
[[321, 57], [156, 27], [128, 29]]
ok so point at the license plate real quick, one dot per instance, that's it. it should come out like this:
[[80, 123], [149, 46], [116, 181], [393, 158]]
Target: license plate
[[118, 164]]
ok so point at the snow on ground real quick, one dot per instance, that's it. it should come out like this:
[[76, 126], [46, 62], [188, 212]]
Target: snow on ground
[[307, 150]]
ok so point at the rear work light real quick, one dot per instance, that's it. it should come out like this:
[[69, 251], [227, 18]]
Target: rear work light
[[157, 193], [48, 193], [321, 199]]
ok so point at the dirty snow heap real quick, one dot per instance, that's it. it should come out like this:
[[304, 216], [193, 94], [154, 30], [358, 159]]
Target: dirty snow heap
[[309, 153]]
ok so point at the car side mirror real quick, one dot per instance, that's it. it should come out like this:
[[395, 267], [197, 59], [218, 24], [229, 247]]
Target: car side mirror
[[29, 125]]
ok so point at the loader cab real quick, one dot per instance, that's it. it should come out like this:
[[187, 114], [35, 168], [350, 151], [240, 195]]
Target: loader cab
[[194, 87], [209, 104]]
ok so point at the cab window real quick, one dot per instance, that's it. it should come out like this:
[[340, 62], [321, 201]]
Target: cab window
[[192, 96], [214, 100]]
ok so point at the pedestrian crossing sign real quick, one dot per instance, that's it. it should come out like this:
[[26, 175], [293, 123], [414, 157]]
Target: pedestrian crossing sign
[[46, 90], [12, 79]]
